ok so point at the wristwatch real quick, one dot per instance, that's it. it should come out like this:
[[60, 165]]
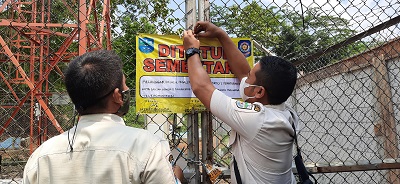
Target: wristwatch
[[190, 52]]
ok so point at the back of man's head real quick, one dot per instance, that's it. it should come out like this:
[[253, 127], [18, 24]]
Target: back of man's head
[[93, 76], [278, 77]]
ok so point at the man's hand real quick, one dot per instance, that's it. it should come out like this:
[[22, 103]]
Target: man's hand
[[237, 61], [189, 40], [207, 30], [179, 174], [199, 79]]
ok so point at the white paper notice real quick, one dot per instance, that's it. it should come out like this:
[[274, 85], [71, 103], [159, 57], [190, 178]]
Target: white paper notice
[[179, 87]]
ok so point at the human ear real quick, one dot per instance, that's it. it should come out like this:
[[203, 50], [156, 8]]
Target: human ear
[[260, 92], [117, 96]]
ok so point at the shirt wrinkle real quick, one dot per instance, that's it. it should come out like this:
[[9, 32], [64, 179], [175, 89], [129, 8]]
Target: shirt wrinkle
[[105, 151], [267, 157], [148, 155]]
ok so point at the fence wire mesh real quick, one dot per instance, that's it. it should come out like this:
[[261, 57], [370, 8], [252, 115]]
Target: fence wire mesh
[[347, 95]]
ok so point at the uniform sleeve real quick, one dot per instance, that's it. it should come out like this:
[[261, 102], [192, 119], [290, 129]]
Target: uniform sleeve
[[28, 176], [243, 117], [294, 118], [158, 169], [30, 169]]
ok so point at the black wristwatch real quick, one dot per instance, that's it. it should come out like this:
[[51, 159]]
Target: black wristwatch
[[190, 52]]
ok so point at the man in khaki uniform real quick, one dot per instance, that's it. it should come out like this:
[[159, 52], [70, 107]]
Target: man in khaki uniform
[[100, 148]]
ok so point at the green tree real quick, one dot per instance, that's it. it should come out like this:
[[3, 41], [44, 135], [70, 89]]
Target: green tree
[[288, 33], [141, 16], [51, 42], [132, 17], [304, 35], [252, 21]]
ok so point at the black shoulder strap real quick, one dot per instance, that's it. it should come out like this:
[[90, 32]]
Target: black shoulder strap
[[235, 167], [301, 169], [295, 140], [237, 174]]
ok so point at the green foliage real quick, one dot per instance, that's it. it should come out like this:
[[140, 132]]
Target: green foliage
[[303, 36], [141, 16], [125, 44], [288, 33], [132, 119], [65, 115], [129, 18], [60, 14], [225, 157], [251, 21]]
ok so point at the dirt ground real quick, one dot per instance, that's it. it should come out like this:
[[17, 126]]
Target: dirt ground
[[12, 165]]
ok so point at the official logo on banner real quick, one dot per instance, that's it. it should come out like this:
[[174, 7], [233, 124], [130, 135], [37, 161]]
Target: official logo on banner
[[245, 47], [146, 45]]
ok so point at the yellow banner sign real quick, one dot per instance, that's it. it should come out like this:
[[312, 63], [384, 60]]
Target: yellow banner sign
[[162, 81]]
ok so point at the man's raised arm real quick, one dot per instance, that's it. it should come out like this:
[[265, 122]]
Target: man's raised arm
[[237, 62]]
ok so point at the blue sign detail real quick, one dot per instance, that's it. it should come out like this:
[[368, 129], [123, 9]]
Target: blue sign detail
[[245, 47], [146, 45]]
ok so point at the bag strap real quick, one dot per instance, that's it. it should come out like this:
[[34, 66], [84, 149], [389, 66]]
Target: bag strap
[[235, 167], [295, 140], [237, 174], [300, 165]]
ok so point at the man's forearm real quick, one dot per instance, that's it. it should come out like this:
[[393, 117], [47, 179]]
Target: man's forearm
[[237, 62], [200, 81]]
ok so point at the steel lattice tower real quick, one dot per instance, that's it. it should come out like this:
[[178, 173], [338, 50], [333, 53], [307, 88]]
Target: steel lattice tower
[[26, 39]]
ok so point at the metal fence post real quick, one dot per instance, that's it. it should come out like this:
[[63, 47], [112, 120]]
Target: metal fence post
[[82, 27], [204, 10], [196, 141], [193, 132], [206, 143], [206, 117], [386, 126], [190, 13], [193, 147]]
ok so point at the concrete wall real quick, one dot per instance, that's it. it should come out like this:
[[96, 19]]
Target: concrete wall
[[338, 118], [350, 114], [394, 78]]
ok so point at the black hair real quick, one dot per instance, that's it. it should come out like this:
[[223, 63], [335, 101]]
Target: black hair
[[93, 76], [278, 77]]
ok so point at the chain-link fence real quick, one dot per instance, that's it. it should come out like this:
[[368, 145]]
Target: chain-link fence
[[347, 94]]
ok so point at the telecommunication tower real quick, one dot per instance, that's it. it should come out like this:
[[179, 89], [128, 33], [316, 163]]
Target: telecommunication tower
[[33, 43]]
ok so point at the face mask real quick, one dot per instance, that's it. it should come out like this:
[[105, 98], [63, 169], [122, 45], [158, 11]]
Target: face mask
[[243, 85], [126, 96]]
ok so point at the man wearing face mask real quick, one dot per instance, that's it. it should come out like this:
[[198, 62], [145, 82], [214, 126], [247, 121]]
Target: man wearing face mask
[[100, 148], [262, 133]]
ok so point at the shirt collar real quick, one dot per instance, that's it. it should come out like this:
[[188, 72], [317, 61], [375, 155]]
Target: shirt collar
[[108, 118], [278, 107]]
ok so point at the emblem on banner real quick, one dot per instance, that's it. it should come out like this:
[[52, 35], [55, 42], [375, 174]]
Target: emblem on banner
[[146, 45], [245, 47]]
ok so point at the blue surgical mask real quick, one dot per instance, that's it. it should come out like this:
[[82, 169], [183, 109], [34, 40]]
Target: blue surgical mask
[[243, 85]]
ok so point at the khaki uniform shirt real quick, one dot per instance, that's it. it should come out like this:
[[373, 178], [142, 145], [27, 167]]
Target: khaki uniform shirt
[[104, 151], [261, 139]]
